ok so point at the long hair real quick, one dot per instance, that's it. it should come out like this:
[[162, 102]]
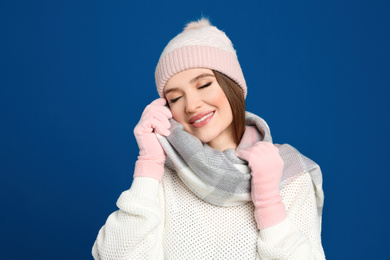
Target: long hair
[[236, 100]]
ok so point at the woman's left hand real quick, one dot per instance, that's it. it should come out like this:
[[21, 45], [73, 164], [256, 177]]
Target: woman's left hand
[[267, 167]]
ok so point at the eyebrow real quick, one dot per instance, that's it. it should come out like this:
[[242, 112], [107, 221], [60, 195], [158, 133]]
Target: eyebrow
[[191, 81], [200, 76]]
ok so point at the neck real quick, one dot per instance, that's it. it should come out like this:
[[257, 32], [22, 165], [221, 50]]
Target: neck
[[223, 147], [224, 141]]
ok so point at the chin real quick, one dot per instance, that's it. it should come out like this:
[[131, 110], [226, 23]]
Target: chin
[[206, 138], [208, 135], [203, 137]]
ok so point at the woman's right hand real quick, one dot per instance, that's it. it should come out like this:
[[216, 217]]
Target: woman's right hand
[[151, 157]]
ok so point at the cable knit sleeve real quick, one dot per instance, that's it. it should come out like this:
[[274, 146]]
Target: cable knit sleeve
[[299, 235], [135, 230]]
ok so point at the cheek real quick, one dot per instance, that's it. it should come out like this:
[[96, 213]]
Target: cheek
[[177, 114], [220, 100]]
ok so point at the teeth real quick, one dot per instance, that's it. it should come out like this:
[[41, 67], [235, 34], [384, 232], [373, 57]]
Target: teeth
[[203, 118]]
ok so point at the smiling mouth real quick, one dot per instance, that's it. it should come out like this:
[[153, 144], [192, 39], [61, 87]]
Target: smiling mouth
[[204, 117], [203, 121]]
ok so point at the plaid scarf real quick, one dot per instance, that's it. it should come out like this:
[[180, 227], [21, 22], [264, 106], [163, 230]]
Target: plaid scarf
[[221, 178]]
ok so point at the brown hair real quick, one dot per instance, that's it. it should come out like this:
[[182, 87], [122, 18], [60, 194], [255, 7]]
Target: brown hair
[[236, 100]]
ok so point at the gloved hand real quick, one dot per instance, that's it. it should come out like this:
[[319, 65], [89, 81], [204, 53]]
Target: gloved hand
[[151, 157], [267, 167]]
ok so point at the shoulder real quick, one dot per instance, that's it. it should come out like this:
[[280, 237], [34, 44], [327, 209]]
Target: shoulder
[[296, 163], [292, 157], [300, 174]]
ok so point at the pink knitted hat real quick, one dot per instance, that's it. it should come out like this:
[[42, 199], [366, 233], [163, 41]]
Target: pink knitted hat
[[200, 45]]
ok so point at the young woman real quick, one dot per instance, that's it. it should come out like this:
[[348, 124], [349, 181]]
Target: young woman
[[209, 183]]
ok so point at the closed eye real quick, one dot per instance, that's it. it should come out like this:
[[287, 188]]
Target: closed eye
[[206, 85], [174, 100]]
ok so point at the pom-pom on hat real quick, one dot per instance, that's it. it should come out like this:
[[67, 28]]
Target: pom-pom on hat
[[200, 45]]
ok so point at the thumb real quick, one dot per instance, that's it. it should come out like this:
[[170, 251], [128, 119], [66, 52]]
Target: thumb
[[159, 102], [243, 155]]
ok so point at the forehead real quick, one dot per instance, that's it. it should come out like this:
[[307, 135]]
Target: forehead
[[185, 77]]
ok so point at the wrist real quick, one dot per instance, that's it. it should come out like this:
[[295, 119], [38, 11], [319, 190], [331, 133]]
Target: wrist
[[270, 214], [149, 168], [144, 187]]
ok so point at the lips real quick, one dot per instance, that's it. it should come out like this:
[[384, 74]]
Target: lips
[[201, 119], [199, 116]]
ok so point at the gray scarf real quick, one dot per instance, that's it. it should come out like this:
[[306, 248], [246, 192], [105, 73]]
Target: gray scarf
[[221, 178]]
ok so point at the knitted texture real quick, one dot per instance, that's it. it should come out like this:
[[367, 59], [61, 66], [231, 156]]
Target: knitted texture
[[200, 45], [168, 221], [151, 157], [221, 178], [266, 169]]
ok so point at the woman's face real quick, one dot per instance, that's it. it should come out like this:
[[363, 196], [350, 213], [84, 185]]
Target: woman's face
[[198, 102]]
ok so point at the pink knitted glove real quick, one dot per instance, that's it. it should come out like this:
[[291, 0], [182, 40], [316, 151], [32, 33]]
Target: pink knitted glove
[[267, 167], [151, 157]]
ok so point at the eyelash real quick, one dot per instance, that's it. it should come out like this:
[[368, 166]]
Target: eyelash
[[201, 87], [174, 100], [205, 85]]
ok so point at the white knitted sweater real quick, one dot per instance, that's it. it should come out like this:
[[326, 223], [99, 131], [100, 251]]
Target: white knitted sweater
[[167, 221]]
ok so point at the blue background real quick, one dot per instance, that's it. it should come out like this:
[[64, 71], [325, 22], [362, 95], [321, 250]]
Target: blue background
[[76, 75]]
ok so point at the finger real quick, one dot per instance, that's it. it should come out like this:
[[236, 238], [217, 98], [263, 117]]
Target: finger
[[150, 120], [150, 110], [164, 132], [265, 147], [272, 147], [164, 121], [243, 154], [263, 144], [159, 125], [156, 102], [161, 129], [159, 102], [150, 106], [166, 111], [162, 118]]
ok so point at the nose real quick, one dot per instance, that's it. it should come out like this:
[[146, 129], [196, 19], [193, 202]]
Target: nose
[[193, 103]]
